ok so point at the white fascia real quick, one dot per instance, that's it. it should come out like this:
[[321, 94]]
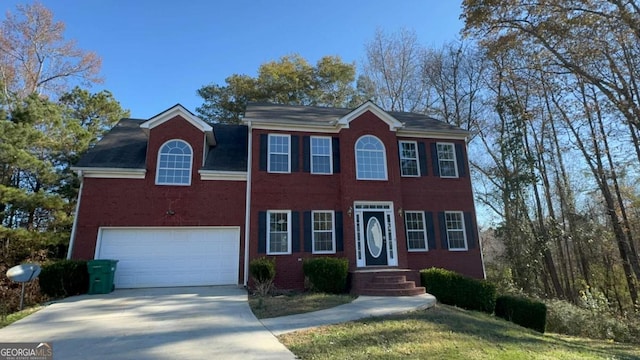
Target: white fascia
[[223, 175], [110, 173]]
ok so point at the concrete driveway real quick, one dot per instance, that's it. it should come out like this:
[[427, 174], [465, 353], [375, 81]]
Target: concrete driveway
[[166, 323]]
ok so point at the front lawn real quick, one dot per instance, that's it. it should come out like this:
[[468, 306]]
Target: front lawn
[[13, 317], [445, 332], [294, 303]]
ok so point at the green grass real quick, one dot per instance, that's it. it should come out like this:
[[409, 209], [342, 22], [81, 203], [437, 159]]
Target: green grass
[[13, 317], [294, 303], [445, 332]]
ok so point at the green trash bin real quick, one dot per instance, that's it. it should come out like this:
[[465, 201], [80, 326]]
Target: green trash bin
[[101, 273]]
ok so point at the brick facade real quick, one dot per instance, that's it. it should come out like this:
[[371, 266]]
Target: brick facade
[[126, 202]]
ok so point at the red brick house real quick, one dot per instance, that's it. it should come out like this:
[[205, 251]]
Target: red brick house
[[180, 202]]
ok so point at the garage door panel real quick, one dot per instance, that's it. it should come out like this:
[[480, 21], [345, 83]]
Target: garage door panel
[[172, 256]]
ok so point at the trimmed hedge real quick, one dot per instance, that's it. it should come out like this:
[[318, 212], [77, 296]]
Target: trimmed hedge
[[64, 278], [522, 311], [327, 274], [452, 288]]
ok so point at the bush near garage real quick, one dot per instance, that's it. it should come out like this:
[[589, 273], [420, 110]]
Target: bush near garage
[[263, 272], [64, 278], [455, 289], [327, 274]]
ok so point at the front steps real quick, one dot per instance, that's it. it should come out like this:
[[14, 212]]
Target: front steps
[[386, 282]]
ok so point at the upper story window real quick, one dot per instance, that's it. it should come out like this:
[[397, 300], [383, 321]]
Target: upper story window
[[447, 160], [371, 160], [174, 163], [409, 158], [456, 235], [321, 162], [279, 159]]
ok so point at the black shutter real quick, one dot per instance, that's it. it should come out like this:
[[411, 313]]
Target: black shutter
[[307, 231], [264, 143], [335, 149], [443, 230], [434, 159], [431, 234], [339, 232], [470, 230], [422, 158], [295, 231], [306, 154], [460, 159], [262, 232], [295, 157]]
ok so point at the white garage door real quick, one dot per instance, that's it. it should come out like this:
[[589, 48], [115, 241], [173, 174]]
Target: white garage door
[[156, 257]]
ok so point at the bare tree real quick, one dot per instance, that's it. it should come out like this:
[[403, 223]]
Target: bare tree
[[394, 67], [35, 57]]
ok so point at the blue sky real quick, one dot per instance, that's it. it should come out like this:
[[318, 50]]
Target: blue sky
[[157, 53]]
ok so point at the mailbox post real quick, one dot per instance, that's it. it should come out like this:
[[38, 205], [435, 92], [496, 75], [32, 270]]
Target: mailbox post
[[23, 274]]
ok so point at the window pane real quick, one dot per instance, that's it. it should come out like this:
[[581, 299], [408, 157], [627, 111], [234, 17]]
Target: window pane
[[416, 237], [323, 231], [408, 159], [174, 163], [278, 232], [278, 153], [455, 230], [447, 160], [370, 159], [320, 155]]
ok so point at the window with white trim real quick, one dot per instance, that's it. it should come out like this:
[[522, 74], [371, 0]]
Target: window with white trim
[[416, 230], [371, 160], [409, 158], [174, 163], [324, 237], [456, 235], [321, 155], [447, 160], [279, 234], [279, 159]]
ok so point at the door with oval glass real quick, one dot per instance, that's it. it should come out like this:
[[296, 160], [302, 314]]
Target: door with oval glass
[[375, 238]]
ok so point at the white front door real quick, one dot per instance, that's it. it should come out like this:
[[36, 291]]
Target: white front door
[[376, 243]]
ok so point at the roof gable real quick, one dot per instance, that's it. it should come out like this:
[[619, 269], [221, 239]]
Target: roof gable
[[179, 110], [393, 123]]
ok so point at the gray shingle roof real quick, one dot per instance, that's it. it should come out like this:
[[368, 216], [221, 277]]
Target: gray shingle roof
[[315, 114], [230, 152], [124, 146]]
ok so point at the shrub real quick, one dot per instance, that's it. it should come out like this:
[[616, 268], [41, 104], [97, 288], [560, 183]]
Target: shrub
[[64, 278], [263, 271], [452, 288], [566, 318], [327, 274], [522, 311]]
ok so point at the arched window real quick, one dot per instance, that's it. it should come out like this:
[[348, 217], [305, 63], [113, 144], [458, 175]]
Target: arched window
[[174, 163], [371, 160]]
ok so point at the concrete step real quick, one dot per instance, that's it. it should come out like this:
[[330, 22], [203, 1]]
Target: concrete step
[[393, 292], [393, 285], [389, 279]]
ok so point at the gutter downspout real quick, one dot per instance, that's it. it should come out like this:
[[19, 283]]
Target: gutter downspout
[[247, 216], [72, 238]]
